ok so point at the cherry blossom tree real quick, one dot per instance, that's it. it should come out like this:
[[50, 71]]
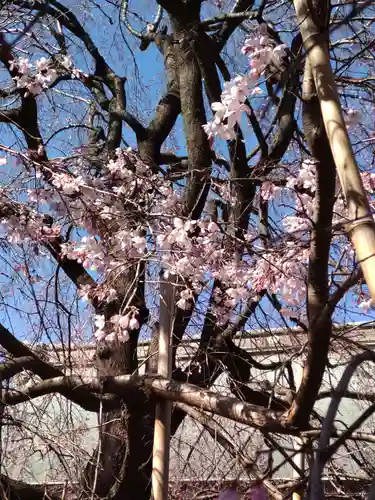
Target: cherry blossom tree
[[235, 192]]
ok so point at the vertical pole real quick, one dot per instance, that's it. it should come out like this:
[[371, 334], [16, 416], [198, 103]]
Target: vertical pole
[[361, 226], [162, 430], [299, 460]]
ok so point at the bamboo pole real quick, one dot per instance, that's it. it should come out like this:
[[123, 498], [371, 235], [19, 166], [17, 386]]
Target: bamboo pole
[[299, 460], [162, 430], [361, 227]]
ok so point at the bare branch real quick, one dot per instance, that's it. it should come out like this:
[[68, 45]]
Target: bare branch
[[17, 365], [47, 371], [127, 386], [230, 25], [218, 433], [316, 488]]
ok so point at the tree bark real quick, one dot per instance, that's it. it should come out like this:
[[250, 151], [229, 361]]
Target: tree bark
[[320, 325]]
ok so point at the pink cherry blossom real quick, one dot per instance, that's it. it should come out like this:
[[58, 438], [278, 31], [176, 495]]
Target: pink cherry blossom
[[261, 52], [33, 77], [133, 324]]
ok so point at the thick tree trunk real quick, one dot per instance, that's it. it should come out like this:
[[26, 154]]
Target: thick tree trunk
[[124, 466], [121, 464], [320, 326]]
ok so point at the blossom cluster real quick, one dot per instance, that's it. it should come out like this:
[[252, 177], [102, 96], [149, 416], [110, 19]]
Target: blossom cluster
[[32, 227], [67, 63], [261, 51], [34, 77], [228, 111], [131, 213], [300, 190], [117, 328]]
